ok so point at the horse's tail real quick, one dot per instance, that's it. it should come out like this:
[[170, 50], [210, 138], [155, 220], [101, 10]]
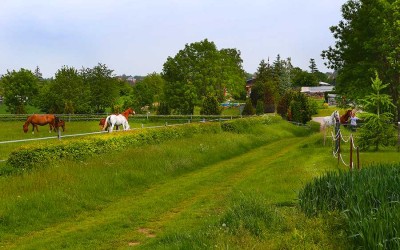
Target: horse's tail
[[106, 123]]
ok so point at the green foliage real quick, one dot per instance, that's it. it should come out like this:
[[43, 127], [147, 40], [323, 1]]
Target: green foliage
[[369, 201], [210, 106], [19, 89], [249, 212], [163, 109], [67, 93], [28, 158], [149, 90], [265, 87], [104, 87], [377, 129], [260, 107], [248, 108], [198, 70], [366, 40], [283, 108], [300, 108]]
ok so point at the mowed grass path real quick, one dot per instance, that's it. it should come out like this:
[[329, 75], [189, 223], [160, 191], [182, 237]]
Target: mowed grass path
[[144, 213]]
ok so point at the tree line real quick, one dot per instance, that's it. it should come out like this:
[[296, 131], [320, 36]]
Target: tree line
[[198, 75]]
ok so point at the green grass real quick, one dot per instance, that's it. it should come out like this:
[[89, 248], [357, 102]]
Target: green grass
[[223, 191]]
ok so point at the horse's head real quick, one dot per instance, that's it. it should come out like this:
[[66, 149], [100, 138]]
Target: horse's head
[[130, 111], [25, 127], [335, 115]]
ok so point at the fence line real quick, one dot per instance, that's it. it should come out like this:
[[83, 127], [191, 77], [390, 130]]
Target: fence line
[[92, 133]]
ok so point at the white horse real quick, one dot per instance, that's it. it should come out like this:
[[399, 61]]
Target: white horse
[[331, 120], [113, 120]]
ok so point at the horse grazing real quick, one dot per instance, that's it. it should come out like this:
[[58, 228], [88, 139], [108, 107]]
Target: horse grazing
[[331, 120], [344, 118], [113, 120], [41, 120], [60, 123], [126, 114]]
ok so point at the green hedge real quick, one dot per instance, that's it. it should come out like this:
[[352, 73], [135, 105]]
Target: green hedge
[[28, 157]]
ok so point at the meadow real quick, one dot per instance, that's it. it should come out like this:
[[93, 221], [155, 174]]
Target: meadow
[[235, 189]]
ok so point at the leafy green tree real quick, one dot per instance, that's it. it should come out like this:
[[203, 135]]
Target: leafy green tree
[[104, 87], [284, 104], [198, 70], [300, 109], [149, 90], [265, 88], [378, 129], [367, 39], [210, 106], [19, 89], [303, 78], [67, 93]]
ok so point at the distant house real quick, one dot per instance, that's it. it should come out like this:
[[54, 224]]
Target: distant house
[[317, 90], [249, 85]]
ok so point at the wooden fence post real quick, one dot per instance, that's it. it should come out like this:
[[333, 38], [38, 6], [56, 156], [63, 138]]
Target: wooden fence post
[[351, 152]]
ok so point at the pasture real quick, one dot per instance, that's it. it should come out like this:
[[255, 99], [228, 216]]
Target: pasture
[[229, 190]]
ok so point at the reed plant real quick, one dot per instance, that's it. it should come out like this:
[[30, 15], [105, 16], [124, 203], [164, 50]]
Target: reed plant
[[368, 199]]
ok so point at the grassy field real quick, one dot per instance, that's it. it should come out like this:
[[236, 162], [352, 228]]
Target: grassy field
[[219, 191]]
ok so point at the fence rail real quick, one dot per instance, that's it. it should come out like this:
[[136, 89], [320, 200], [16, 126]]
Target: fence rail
[[88, 117]]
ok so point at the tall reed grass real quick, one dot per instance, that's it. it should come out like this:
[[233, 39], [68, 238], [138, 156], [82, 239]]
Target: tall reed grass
[[369, 200]]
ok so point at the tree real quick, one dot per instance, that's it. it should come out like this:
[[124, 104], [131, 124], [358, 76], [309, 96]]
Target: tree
[[66, 93], [248, 108], [366, 40], [210, 106], [313, 66], [19, 89], [104, 87], [378, 129], [265, 87], [303, 78], [149, 90], [300, 109], [198, 70]]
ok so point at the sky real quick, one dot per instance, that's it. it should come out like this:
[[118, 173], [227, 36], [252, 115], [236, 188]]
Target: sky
[[135, 37]]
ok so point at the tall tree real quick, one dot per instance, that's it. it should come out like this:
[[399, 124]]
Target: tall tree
[[265, 87], [149, 90], [367, 39], [19, 89], [104, 87], [313, 66], [66, 93], [199, 70]]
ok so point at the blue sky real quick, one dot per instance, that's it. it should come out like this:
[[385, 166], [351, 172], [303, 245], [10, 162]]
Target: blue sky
[[135, 37]]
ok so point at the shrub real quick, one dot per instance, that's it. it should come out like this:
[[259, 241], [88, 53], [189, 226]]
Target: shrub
[[28, 157], [248, 108], [210, 106], [260, 107]]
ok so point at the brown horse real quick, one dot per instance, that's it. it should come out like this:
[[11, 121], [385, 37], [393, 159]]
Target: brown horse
[[61, 123], [41, 120], [344, 118], [126, 113]]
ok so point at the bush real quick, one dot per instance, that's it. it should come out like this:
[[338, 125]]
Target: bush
[[260, 107], [210, 106], [28, 157], [248, 108]]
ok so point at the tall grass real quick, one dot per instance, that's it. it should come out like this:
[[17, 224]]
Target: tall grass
[[369, 200]]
